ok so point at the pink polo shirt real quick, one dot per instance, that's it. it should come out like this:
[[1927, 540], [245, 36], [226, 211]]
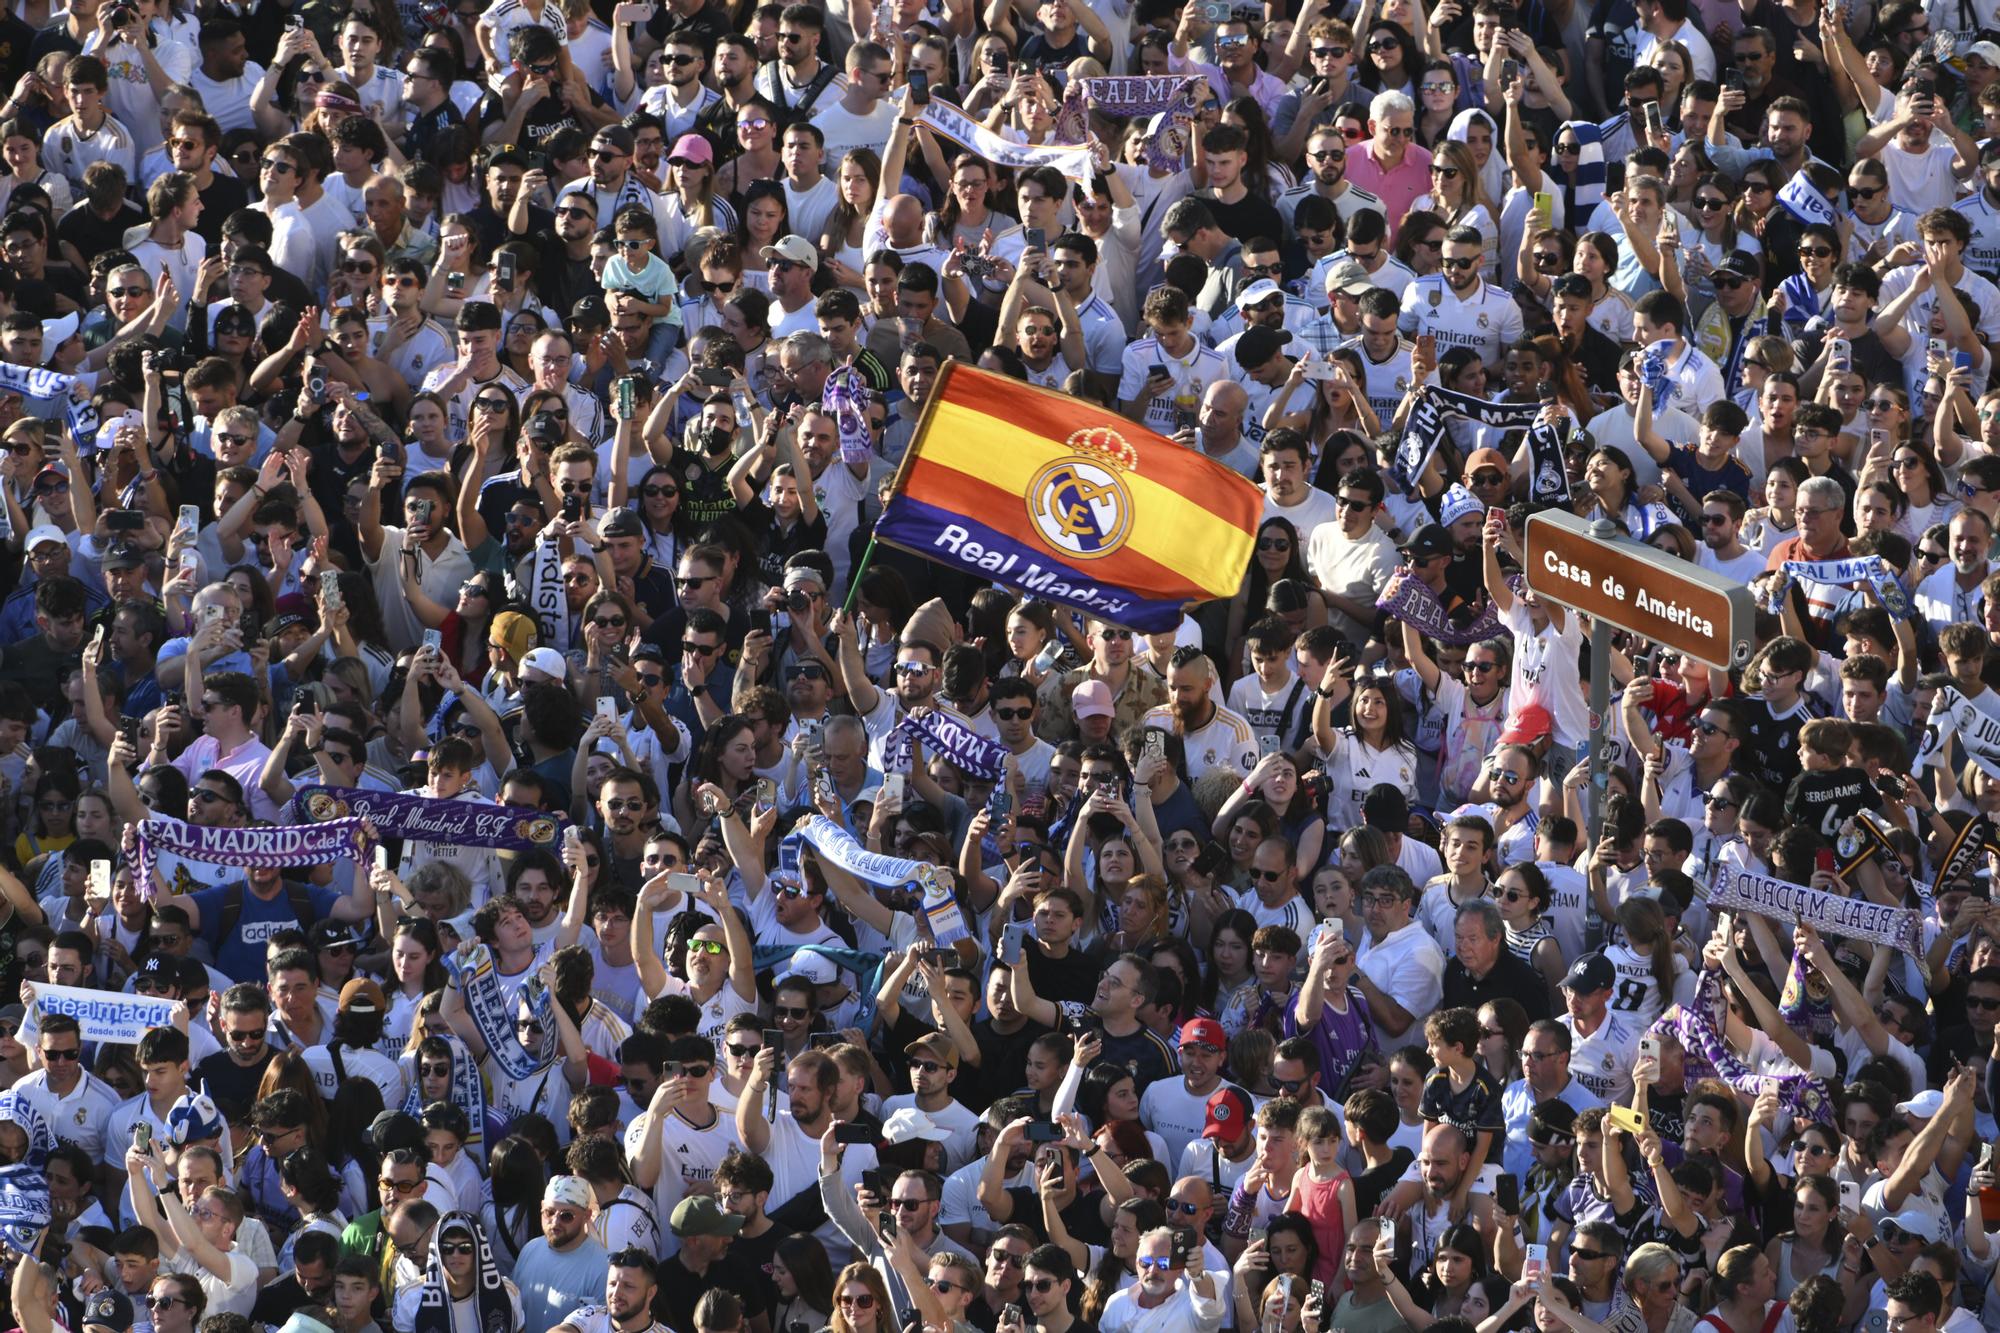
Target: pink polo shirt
[[1398, 187]]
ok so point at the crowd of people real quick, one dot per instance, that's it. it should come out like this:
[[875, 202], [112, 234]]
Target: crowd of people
[[488, 844]]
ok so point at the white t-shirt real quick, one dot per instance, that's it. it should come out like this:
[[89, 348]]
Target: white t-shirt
[[235, 1294]]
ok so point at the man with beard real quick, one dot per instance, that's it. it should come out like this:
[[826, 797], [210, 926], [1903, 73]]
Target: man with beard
[[916, 673], [1133, 693], [558, 1270], [1218, 739], [790, 1142], [1168, 1296], [1326, 155], [1466, 310], [192, 148]]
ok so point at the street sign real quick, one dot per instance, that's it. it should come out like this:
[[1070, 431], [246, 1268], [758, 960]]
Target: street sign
[[1621, 582]]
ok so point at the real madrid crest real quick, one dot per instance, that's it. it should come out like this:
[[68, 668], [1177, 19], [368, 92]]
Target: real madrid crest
[[1080, 503]]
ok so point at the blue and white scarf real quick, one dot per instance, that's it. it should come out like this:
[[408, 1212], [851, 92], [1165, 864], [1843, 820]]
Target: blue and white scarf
[[18, 1110], [468, 1094], [942, 733], [1869, 569], [1583, 188], [1425, 429], [24, 1207], [493, 1014]]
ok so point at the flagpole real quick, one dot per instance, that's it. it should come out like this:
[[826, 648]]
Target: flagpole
[[903, 467]]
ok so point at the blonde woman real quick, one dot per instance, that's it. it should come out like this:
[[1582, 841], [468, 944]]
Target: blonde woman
[[1460, 199], [689, 202]]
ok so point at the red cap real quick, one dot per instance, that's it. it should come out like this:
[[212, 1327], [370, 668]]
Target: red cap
[[1204, 1032], [1527, 726], [1228, 1115]]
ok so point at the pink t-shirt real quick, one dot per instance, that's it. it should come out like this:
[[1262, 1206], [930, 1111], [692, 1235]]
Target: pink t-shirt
[[1318, 1202]]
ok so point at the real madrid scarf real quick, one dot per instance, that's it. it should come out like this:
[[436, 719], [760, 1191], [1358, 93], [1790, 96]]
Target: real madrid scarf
[[1409, 599], [493, 1014], [1968, 849], [449, 820], [1953, 715], [495, 1312], [274, 846], [24, 1207], [546, 597], [1869, 569], [1127, 97], [468, 1094], [1425, 429], [942, 733], [18, 1110], [1583, 187], [1548, 467], [846, 398], [1801, 1096]]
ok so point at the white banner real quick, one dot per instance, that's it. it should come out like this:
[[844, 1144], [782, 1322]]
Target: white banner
[[1954, 715], [103, 1015], [1830, 914], [961, 129]]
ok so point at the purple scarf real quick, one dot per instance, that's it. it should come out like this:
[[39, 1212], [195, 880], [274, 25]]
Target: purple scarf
[[1408, 598], [1801, 1096], [273, 846], [431, 818]]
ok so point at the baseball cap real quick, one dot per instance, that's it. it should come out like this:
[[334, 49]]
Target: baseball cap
[[56, 332], [1741, 263], [1257, 293], [937, 1045], [696, 1215], [543, 426], [547, 661], [1228, 1115], [48, 532], [573, 1191], [1091, 699], [1589, 974], [108, 1309], [1924, 1105], [1204, 1032], [395, 1129], [615, 136], [122, 555], [1348, 277], [621, 523], [363, 996], [814, 967], [1985, 51], [332, 935], [1386, 808], [1480, 458], [797, 249], [1256, 345], [589, 312], [1431, 539], [692, 148], [1527, 726], [162, 969], [911, 1124], [1915, 1222], [13, 1013]]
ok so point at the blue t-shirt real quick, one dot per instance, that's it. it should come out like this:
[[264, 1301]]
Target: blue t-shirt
[[241, 956]]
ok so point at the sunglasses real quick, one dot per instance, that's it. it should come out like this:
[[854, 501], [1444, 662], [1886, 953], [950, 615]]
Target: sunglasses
[[452, 1247], [1711, 205], [741, 1052], [52, 1053]]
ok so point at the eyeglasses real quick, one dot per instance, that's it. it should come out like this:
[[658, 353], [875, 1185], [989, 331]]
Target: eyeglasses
[[1588, 1254], [1329, 52], [164, 1302], [1438, 87], [1447, 172], [1715, 802], [789, 1011], [1725, 282], [250, 1038], [741, 1052], [349, 266], [1982, 1001], [127, 291], [608, 622], [927, 1066], [944, 1288], [693, 580], [1383, 44], [1352, 502], [492, 404], [618, 804], [1865, 191], [277, 165], [1931, 557], [1041, 1286], [572, 211], [1881, 404], [714, 947], [1158, 1263], [1399, 131], [1569, 149], [562, 1215], [435, 1071]]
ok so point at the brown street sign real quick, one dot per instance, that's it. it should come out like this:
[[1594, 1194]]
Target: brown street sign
[[1629, 584]]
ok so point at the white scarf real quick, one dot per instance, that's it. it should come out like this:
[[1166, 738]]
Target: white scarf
[[546, 596]]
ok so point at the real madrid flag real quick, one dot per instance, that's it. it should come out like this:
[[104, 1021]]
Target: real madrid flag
[[1068, 502]]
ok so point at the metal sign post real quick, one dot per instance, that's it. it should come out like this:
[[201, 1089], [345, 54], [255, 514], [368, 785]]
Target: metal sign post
[[1594, 569]]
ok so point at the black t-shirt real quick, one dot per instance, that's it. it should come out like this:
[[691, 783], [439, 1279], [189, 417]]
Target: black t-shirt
[[224, 195], [1770, 750], [1824, 801], [561, 281], [1073, 977], [93, 235], [428, 125], [1372, 1184], [1002, 1057], [681, 1289], [233, 1086], [1251, 216]]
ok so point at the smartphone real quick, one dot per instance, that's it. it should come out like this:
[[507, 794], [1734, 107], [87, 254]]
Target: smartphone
[[939, 957], [1625, 1118], [683, 882], [329, 588], [572, 508], [1850, 1195], [434, 641], [1649, 1049], [142, 1135], [711, 378], [1961, 360], [1013, 1315], [190, 518], [1545, 205], [760, 621], [607, 708], [1013, 943], [1044, 1131], [189, 561], [1506, 1195], [999, 804], [1875, 1321], [774, 1038], [1157, 371], [848, 1131], [1427, 343], [1266, 744], [1035, 237], [381, 856], [503, 270], [1936, 348], [124, 520], [1510, 73], [1823, 860], [1210, 860], [316, 383], [920, 88], [1891, 786], [1535, 1264], [886, 1225], [1652, 112], [100, 880], [767, 794], [1259, 1233], [1734, 79]]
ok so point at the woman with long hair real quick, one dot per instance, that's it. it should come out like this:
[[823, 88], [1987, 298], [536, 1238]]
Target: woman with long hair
[[727, 757], [1230, 973], [416, 968], [1420, 242], [1458, 196], [1927, 495], [1888, 408], [1760, 195], [1032, 634], [1714, 235], [1334, 405], [803, 1280], [1279, 555], [1524, 896], [765, 219], [289, 1071], [512, 1215], [1371, 749], [658, 497], [1610, 490], [967, 211], [1265, 178], [690, 200], [1390, 60], [1813, 1245], [861, 1301], [1646, 958], [846, 227], [1276, 780]]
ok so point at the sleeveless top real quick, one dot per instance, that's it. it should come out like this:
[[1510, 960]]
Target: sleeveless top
[[1522, 943]]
